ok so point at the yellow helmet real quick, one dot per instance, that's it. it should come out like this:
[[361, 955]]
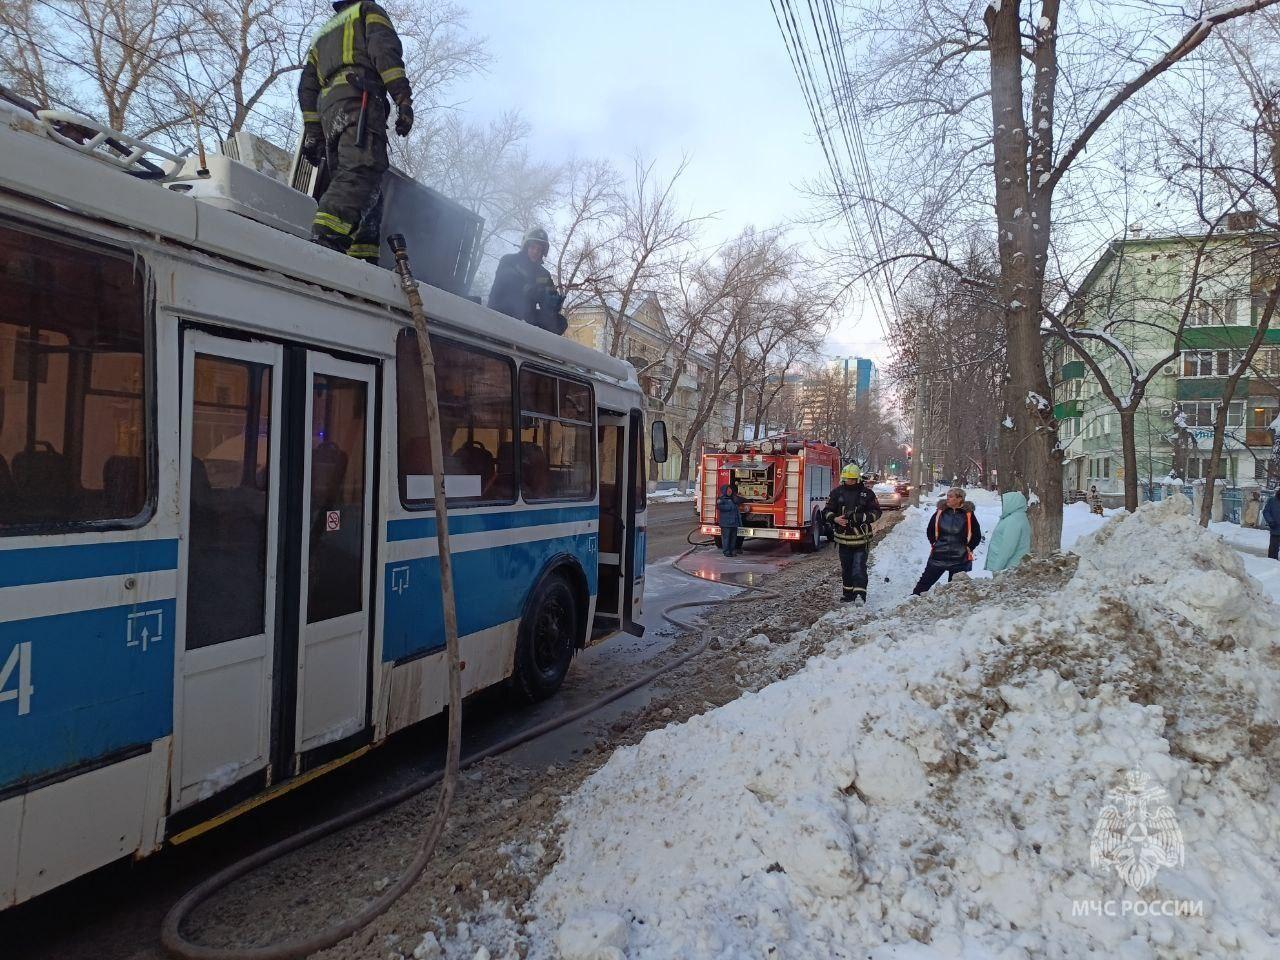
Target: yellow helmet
[[851, 472]]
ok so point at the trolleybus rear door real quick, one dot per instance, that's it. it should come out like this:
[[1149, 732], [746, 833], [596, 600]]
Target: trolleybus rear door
[[230, 476], [336, 557]]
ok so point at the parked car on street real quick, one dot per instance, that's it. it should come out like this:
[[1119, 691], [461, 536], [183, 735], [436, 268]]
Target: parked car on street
[[889, 496]]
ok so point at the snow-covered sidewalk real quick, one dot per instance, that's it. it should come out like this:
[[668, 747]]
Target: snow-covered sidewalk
[[1060, 762]]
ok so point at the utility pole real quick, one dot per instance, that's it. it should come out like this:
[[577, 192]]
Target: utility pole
[[917, 440]]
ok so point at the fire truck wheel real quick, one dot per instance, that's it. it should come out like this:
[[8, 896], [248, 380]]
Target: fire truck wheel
[[544, 646]]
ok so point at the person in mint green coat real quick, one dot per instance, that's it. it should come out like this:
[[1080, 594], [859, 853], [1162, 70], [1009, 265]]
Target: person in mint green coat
[[1011, 540]]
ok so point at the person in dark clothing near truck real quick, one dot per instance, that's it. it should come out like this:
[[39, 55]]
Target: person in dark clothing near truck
[[851, 510], [354, 70], [954, 532], [523, 288], [1271, 517], [729, 517]]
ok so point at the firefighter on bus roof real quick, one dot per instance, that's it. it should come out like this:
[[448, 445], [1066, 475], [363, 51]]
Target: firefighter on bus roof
[[354, 65], [851, 510]]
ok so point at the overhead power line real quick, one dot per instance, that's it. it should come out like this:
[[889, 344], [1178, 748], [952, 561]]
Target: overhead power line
[[838, 128]]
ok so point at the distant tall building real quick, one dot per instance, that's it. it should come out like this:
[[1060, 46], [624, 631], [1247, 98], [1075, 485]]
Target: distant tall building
[[859, 373]]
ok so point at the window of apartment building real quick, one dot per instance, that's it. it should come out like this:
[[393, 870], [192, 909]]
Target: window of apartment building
[[1259, 469], [1220, 311], [1202, 413], [1106, 468], [1210, 363], [1266, 362]]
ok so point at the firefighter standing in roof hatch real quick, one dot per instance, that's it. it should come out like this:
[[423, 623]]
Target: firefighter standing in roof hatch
[[355, 63]]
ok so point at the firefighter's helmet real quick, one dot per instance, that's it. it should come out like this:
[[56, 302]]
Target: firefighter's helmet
[[851, 472], [535, 235]]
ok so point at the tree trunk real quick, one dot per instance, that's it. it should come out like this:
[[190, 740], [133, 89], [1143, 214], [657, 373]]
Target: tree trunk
[[1033, 461], [1129, 445], [685, 450]]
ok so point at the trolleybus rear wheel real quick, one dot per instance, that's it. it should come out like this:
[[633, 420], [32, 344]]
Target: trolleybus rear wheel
[[546, 641]]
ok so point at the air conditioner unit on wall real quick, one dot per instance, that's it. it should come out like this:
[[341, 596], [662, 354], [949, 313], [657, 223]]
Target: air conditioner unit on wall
[[1170, 370], [1166, 411]]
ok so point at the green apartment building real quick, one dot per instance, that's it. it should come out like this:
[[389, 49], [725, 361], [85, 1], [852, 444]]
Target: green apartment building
[[1136, 293]]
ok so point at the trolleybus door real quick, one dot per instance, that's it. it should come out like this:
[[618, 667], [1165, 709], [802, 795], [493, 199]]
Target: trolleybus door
[[612, 434], [336, 554], [230, 490], [617, 568]]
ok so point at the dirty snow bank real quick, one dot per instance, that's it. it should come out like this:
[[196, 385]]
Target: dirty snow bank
[[931, 791]]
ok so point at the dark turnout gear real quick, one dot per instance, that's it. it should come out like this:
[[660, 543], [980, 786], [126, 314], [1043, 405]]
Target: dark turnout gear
[[729, 517], [524, 289], [354, 65], [853, 572], [954, 533], [858, 506]]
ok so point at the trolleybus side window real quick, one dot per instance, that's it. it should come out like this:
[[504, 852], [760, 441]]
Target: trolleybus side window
[[557, 448], [73, 437], [477, 423]]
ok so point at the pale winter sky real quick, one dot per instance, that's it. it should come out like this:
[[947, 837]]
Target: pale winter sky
[[709, 78]]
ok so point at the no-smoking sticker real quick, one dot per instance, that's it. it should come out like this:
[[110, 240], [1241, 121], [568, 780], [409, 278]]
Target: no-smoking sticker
[[333, 520]]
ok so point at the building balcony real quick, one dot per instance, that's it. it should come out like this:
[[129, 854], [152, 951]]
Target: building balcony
[[1073, 370], [1066, 410], [1209, 388], [1224, 338]]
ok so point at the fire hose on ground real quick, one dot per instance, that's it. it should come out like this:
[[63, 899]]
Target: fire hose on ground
[[172, 938], [178, 946]]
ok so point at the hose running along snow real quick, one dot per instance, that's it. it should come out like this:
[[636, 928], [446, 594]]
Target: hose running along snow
[[178, 946]]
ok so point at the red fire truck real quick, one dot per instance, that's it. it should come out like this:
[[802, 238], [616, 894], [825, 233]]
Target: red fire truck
[[785, 482]]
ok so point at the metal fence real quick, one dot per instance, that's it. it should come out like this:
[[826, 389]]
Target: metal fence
[[1231, 498]]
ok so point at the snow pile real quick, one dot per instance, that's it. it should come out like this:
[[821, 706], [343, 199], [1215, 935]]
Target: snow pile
[[931, 791]]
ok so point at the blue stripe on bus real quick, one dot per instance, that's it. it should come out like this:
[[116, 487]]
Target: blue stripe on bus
[[83, 560], [490, 585], [421, 528], [96, 685]]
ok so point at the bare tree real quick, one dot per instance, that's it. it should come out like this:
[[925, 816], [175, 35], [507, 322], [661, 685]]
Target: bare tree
[[649, 244], [1001, 114], [241, 52]]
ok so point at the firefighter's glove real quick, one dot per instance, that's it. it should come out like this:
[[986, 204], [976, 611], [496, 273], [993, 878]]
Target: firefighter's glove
[[313, 145], [404, 117]]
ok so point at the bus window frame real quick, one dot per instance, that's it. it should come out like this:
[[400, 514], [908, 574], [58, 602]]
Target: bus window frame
[[593, 425], [150, 385], [462, 503]]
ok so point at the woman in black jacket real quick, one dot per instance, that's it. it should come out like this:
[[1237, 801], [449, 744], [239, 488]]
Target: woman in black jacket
[[954, 533]]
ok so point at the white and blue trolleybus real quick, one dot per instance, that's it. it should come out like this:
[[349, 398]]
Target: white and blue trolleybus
[[218, 567]]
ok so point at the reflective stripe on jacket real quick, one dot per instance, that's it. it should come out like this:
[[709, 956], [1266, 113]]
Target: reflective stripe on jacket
[[859, 506], [358, 39]]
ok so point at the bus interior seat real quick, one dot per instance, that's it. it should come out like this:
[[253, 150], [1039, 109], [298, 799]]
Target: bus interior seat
[[505, 468], [8, 492], [42, 480], [121, 483], [474, 460]]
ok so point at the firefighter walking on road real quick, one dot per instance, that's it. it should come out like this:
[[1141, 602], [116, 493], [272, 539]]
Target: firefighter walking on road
[[851, 510], [353, 72]]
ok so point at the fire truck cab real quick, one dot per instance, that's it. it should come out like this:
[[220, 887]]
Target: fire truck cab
[[785, 482]]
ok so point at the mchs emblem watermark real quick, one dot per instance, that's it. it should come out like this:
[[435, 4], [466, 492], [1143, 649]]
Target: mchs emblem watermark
[[1136, 835]]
